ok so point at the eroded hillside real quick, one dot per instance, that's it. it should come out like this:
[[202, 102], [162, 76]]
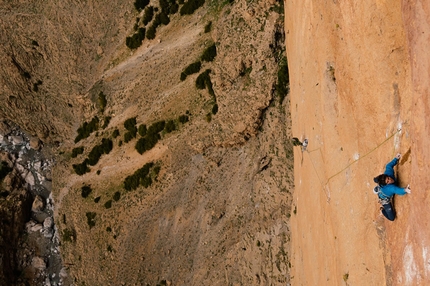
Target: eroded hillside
[[170, 180]]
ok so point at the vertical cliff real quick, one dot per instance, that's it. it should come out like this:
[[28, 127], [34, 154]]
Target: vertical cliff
[[358, 88]]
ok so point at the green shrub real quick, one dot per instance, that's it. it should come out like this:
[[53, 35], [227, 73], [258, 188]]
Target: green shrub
[[69, 235], [183, 118], [135, 41], [132, 182], [106, 122], [82, 168], [142, 130], [190, 69], [86, 191], [164, 18], [215, 109], [108, 229], [148, 15], [116, 196], [4, 170], [156, 170], [128, 136], [115, 133], [209, 117], [150, 33], [87, 128], [208, 27], [202, 79], [174, 8], [190, 6], [170, 126], [140, 4], [104, 148], [96, 200], [147, 143], [156, 127], [77, 151], [91, 219], [102, 101], [146, 182], [108, 204], [283, 80], [209, 54], [130, 125]]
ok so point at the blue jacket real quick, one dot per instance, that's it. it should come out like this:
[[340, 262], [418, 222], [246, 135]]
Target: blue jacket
[[391, 189]]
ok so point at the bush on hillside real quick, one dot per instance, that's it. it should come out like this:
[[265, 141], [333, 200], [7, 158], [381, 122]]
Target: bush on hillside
[[148, 15], [209, 54], [135, 41], [190, 69], [283, 80], [106, 122], [190, 6], [91, 219], [115, 133], [81, 169], [77, 151], [142, 130], [4, 170], [102, 101], [150, 33], [140, 4], [104, 148], [208, 27], [132, 182], [87, 128], [116, 196], [183, 118], [215, 109], [170, 126], [86, 191]]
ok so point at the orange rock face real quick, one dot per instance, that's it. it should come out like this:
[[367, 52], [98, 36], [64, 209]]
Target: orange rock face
[[359, 75]]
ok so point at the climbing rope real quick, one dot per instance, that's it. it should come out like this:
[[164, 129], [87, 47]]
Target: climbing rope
[[325, 185]]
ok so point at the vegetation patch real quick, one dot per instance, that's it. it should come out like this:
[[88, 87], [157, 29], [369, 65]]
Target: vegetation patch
[[116, 196], [282, 85], [104, 148], [91, 219], [108, 204], [87, 128], [190, 6], [208, 27], [148, 15], [115, 133], [86, 191], [136, 39], [77, 151], [170, 126], [141, 177], [69, 235], [209, 54], [106, 122], [102, 101], [142, 130], [140, 4], [204, 81], [190, 69]]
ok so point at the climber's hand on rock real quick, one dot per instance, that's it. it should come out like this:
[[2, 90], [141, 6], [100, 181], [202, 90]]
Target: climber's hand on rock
[[408, 189]]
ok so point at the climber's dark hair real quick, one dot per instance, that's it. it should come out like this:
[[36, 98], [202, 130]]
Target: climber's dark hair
[[380, 180]]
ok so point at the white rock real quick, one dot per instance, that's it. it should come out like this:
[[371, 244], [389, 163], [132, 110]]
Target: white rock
[[38, 263], [16, 140], [29, 179], [48, 222], [35, 228], [37, 204]]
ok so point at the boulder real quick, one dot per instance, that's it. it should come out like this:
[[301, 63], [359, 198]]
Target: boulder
[[16, 139], [38, 263], [38, 204], [35, 143]]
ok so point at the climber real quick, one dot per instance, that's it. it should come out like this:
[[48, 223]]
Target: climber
[[304, 144], [387, 188]]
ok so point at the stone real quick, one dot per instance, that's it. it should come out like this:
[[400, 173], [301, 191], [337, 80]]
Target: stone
[[48, 222], [35, 143], [40, 217], [29, 178], [17, 140], [38, 263], [38, 204]]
